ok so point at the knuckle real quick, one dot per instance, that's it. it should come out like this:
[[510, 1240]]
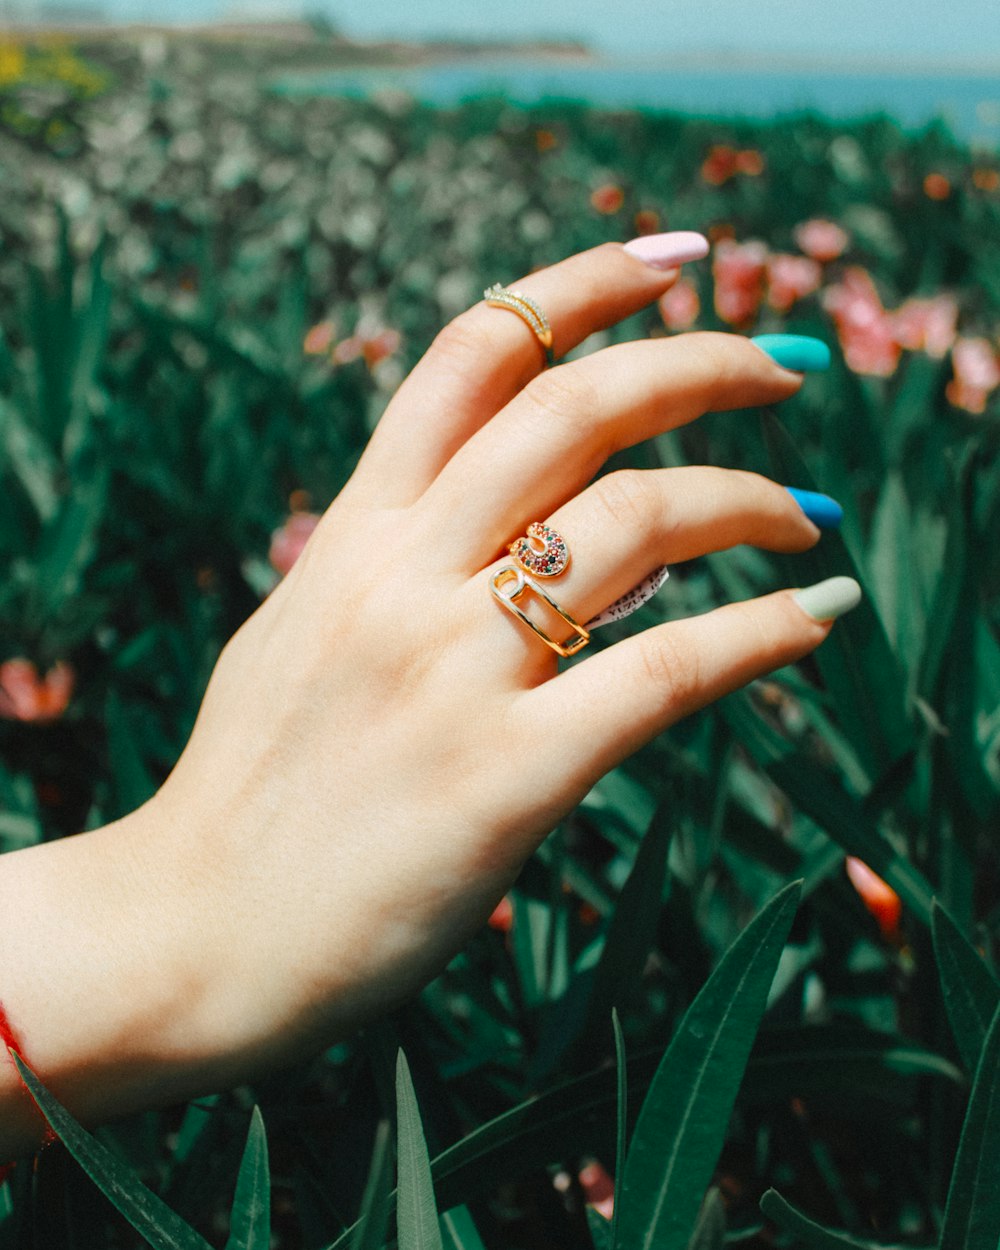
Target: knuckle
[[629, 499], [675, 673], [465, 338], [563, 395]]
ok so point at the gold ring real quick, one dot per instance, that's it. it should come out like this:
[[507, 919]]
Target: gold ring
[[527, 309], [510, 583], [543, 552]]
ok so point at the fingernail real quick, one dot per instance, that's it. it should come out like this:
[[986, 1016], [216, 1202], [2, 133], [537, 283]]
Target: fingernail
[[822, 510], [665, 251], [795, 351], [827, 600]]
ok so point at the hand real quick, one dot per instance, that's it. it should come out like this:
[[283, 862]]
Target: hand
[[382, 745]]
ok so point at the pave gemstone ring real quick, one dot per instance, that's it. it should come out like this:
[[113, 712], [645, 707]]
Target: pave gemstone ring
[[527, 309], [543, 553]]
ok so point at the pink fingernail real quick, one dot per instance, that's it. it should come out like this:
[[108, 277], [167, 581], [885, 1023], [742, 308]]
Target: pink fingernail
[[665, 251]]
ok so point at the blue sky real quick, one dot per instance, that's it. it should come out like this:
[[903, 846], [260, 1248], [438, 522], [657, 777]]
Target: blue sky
[[921, 28]]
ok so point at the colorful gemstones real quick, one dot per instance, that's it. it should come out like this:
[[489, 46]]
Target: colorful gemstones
[[543, 553]]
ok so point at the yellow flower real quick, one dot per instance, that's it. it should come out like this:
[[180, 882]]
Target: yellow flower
[[12, 61]]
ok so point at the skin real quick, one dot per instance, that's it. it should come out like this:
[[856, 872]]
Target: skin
[[381, 745]]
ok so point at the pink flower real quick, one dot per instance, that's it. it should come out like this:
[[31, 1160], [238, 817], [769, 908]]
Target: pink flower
[[371, 346], [822, 240], [739, 270], [608, 198], [790, 278], [598, 1188], [502, 916], [680, 306], [26, 696], [977, 373], [318, 340], [288, 541], [927, 325], [864, 328]]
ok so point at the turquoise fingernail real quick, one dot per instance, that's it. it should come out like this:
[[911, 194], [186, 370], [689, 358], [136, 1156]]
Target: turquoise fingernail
[[795, 351], [820, 509]]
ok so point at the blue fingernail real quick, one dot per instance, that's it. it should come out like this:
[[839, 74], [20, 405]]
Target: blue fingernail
[[795, 351], [820, 509]]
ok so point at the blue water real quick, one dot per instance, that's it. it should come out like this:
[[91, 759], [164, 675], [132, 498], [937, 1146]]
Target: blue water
[[969, 104]]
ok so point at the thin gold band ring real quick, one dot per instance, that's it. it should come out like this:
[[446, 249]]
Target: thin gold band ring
[[527, 309]]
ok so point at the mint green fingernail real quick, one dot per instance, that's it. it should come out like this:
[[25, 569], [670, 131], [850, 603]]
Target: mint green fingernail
[[795, 351], [825, 601]]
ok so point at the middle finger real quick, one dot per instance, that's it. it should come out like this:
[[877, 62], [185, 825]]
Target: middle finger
[[548, 442]]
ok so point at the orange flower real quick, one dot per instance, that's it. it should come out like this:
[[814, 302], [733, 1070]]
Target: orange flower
[[502, 916], [371, 346], [680, 306], [26, 696], [750, 162], [937, 187], [986, 179], [545, 140], [880, 899], [607, 198], [723, 162], [288, 541], [647, 221], [822, 240]]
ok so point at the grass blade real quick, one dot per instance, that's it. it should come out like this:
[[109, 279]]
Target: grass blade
[[250, 1221], [972, 1213], [710, 1231], [148, 1215], [971, 993], [416, 1210], [683, 1121], [459, 1232], [621, 1143], [803, 1229], [369, 1232]]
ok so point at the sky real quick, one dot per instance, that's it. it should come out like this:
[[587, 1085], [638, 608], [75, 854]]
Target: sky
[[947, 29]]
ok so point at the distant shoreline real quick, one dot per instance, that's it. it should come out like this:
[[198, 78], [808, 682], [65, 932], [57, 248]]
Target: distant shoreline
[[339, 52]]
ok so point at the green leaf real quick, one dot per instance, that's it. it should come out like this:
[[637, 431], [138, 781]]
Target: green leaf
[[369, 1232], [972, 1213], [682, 1124], [971, 992], [250, 1219], [621, 1126], [601, 1230], [804, 1229], [459, 1232], [858, 666], [710, 1230], [416, 1211], [148, 1215]]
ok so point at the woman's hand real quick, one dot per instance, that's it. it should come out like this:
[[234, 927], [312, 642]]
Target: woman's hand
[[382, 745]]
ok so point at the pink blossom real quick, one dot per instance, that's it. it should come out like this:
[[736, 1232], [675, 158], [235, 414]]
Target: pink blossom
[[288, 541], [319, 338], [977, 373], [864, 327], [739, 270], [371, 346], [680, 306], [26, 696], [927, 325], [880, 899], [502, 916], [822, 240], [791, 278], [598, 1188]]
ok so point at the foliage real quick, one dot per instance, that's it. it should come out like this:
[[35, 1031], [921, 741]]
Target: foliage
[[160, 418]]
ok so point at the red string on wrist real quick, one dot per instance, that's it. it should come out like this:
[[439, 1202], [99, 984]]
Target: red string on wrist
[[12, 1042]]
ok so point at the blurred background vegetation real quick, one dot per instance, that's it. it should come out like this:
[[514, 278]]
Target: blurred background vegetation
[[210, 285]]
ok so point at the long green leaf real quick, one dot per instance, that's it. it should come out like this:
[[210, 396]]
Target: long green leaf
[[601, 1230], [972, 1213], [250, 1221], [459, 1232], [971, 992], [621, 1119], [369, 1232], [148, 1215], [710, 1229], [683, 1121], [416, 1210], [802, 1228]]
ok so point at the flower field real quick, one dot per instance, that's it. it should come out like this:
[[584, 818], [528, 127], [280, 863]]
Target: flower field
[[208, 292]]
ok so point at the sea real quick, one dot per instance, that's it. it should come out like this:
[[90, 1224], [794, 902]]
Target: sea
[[968, 102]]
